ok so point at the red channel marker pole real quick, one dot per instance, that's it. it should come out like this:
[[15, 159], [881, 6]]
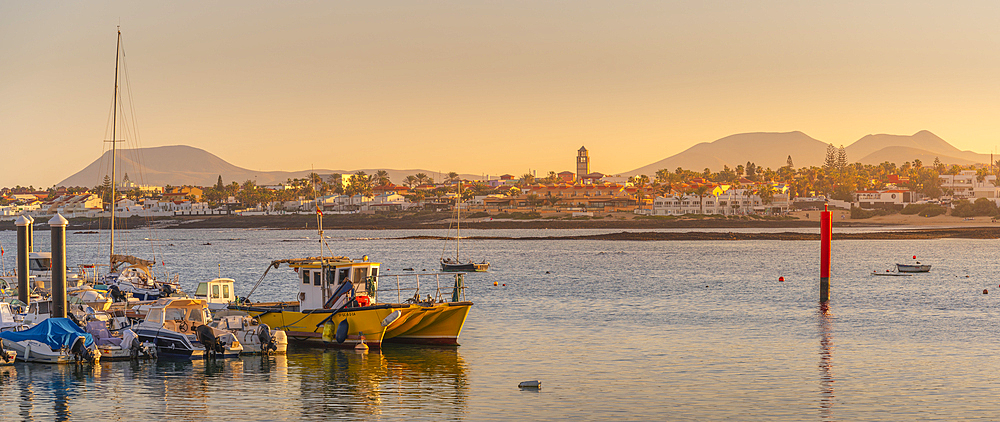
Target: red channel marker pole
[[825, 236]]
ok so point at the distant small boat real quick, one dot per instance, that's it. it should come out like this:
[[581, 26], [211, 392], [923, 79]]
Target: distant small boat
[[456, 264], [913, 268]]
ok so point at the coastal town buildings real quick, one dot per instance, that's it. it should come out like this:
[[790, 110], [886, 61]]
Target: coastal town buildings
[[722, 200]]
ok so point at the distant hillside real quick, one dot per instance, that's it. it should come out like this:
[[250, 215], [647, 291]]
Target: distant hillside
[[895, 153], [875, 149], [772, 150], [184, 165], [766, 149]]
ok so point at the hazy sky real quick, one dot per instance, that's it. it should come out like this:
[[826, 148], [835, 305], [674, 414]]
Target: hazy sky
[[487, 87]]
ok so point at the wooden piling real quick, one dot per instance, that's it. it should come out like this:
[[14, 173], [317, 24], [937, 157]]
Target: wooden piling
[[23, 249], [58, 227]]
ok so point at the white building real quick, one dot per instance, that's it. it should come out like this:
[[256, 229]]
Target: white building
[[886, 199], [963, 184], [728, 202]]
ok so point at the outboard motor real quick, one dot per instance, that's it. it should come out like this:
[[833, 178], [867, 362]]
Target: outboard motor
[[267, 342], [3, 353], [116, 293], [81, 352], [206, 336], [74, 319]]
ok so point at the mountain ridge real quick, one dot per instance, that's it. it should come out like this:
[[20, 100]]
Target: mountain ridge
[[771, 150], [186, 165]]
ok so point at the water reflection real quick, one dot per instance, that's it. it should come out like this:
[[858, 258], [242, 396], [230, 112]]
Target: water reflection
[[53, 400], [826, 379], [417, 382], [412, 382]]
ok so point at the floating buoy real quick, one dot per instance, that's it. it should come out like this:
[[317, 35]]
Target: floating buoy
[[781, 278], [361, 347], [914, 257], [530, 384], [495, 283], [986, 292], [505, 284]]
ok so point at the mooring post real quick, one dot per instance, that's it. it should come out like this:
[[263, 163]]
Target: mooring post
[[22, 224], [825, 236], [31, 235], [58, 226]]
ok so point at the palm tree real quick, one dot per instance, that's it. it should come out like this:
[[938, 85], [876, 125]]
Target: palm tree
[[382, 178], [411, 181], [701, 190]]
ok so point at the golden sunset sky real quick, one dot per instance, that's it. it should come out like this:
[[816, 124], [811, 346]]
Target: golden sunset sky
[[487, 87]]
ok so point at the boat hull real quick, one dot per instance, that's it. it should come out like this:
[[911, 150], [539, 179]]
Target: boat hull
[[252, 346], [908, 268], [307, 327], [470, 267], [174, 345], [38, 352], [437, 324]]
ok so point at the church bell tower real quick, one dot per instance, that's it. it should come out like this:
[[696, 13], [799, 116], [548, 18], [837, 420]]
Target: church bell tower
[[582, 163]]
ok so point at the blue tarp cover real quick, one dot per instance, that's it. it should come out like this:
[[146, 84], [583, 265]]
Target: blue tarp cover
[[55, 332]]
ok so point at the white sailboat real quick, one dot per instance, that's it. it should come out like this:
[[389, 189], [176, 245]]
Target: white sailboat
[[128, 275], [456, 264]]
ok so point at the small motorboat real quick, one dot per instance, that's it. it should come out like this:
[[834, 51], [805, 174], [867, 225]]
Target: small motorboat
[[53, 340], [255, 337], [913, 268], [125, 347], [179, 329]]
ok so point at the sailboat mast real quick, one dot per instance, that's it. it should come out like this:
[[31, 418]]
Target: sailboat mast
[[458, 223], [114, 142]]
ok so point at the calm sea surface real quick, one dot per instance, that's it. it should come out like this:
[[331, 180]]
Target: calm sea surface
[[613, 329]]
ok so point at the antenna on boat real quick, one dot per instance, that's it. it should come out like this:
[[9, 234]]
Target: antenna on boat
[[319, 224]]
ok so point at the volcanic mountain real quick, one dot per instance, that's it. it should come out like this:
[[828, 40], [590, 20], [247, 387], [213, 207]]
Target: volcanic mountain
[[184, 165], [771, 149]]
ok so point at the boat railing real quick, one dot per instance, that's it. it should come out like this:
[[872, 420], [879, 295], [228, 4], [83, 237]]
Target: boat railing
[[411, 283]]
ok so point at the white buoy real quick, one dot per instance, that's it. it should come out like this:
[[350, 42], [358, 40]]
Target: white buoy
[[530, 384], [361, 347]]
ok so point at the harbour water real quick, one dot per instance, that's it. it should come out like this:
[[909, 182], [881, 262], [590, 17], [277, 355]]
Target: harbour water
[[693, 330]]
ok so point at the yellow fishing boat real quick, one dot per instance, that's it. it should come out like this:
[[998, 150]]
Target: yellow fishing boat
[[338, 305]]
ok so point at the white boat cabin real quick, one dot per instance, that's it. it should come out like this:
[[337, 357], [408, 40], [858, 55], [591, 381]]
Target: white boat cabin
[[177, 314], [319, 281], [219, 291]]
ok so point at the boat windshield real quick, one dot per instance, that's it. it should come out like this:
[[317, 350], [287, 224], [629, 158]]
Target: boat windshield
[[174, 314], [155, 315], [196, 315]]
